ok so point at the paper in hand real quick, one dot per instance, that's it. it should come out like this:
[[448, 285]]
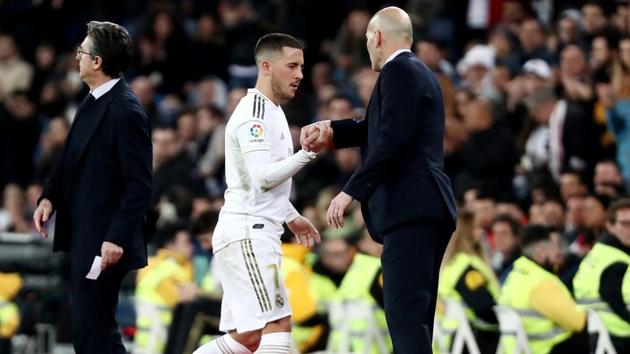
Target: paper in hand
[[95, 271]]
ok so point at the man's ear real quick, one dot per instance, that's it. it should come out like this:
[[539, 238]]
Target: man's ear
[[378, 39], [265, 67], [97, 63]]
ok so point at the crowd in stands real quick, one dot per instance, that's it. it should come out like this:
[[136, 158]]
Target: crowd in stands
[[537, 146]]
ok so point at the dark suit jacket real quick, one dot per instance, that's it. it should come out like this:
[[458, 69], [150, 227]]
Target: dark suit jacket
[[103, 193], [401, 179]]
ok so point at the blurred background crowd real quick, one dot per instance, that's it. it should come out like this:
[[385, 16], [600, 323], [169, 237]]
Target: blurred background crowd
[[537, 96]]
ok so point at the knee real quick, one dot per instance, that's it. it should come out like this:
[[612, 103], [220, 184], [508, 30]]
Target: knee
[[250, 340], [281, 325]]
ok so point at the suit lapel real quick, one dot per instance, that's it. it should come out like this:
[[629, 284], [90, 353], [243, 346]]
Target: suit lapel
[[92, 124]]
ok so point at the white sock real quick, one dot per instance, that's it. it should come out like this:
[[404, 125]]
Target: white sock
[[275, 343], [223, 345]]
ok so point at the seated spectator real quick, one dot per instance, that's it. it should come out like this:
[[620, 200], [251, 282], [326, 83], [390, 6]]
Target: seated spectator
[[505, 230], [166, 281], [552, 320], [10, 285], [601, 282], [341, 274], [466, 277]]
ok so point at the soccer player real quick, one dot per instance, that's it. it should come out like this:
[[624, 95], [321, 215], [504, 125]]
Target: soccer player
[[259, 162]]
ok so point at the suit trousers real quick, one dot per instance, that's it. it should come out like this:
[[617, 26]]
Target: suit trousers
[[412, 254], [94, 303]]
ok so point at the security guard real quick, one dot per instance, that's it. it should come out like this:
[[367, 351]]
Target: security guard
[[340, 275], [467, 278], [552, 320], [308, 324], [167, 280], [10, 284], [602, 282]]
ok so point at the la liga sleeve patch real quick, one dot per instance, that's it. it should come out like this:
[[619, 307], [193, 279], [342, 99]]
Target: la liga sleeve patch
[[256, 133]]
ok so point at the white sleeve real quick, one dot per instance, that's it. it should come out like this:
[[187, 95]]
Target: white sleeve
[[292, 213], [256, 149]]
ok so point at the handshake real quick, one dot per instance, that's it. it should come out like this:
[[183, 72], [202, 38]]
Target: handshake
[[317, 136]]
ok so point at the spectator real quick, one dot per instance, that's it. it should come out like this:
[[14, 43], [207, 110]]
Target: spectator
[[594, 21], [208, 50], [145, 90], [166, 281], [574, 79], [559, 325], [532, 37], [505, 230], [13, 213], [20, 132], [607, 179], [51, 145], [599, 281], [467, 278], [172, 170], [15, 73], [568, 131], [490, 163]]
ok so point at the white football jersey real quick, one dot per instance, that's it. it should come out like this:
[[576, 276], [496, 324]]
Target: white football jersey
[[249, 213]]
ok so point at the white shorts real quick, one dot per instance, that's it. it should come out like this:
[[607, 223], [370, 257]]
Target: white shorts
[[253, 290]]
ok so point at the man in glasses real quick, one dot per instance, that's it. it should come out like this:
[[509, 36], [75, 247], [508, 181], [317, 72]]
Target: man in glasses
[[100, 189], [602, 282]]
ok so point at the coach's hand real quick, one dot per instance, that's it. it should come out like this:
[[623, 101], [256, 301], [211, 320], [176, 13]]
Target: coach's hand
[[110, 254], [305, 233], [337, 208], [317, 136], [41, 216]]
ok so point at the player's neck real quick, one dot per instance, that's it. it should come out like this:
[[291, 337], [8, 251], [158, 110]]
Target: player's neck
[[265, 89]]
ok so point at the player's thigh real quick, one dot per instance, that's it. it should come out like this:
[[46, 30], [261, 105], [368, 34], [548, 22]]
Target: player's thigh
[[254, 293]]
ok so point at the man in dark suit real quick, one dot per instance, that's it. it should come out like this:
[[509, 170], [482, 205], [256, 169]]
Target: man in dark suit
[[100, 189], [405, 196]]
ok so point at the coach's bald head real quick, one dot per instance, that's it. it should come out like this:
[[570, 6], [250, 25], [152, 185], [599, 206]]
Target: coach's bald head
[[388, 31]]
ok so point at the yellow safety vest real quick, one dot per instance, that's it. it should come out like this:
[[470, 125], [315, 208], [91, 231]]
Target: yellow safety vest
[[355, 286], [543, 334], [9, 319], [154, 310], [586, 286], [454, 270]]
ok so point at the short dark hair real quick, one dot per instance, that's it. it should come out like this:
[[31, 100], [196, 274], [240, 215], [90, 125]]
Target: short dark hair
[[113, 44], [205, 222], [619, 204], [274, 42], [512, 223], [167, 233], [533, 234]]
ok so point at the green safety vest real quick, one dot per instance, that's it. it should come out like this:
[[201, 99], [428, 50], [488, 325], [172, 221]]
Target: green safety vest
[[586, 286], [451, 274], [354, 286], [542, 333]]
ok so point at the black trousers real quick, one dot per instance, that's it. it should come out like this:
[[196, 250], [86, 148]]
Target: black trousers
[[190, 322], [621, 344], [412, 254], [578, 343], [94, 303]]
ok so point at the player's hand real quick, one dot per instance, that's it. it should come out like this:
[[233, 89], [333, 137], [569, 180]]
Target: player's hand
[[317, 136], [41, 216], [110, 254], [337, 208], [305, 233]]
